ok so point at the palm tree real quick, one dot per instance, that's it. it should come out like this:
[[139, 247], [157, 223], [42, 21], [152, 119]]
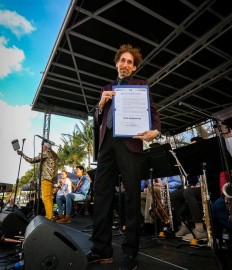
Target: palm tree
[[77, 146], [85, 135]]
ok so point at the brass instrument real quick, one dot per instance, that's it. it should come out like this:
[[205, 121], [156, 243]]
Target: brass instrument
[[206, 210], [160, 209]]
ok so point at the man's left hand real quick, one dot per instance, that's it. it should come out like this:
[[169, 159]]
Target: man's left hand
[[147, 135]]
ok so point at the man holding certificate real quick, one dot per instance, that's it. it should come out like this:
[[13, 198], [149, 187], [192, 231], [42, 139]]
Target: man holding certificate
[[127, 116]]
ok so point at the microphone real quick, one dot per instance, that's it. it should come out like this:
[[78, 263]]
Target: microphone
[[46, 140]]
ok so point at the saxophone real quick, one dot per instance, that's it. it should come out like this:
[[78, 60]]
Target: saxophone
[[206, 210], [161, 210]]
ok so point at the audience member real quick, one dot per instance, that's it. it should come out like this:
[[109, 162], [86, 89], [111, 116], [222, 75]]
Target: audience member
[[64, 187], [79, 194]]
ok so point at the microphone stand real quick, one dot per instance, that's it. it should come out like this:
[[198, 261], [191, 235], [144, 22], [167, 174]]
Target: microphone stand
[[17, 180], [119, 231], [40, 175], [183, 173]]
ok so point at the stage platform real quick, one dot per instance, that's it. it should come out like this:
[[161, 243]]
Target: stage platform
[[166, 254]]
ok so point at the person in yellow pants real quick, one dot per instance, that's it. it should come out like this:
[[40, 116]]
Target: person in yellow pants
[[48, 176]]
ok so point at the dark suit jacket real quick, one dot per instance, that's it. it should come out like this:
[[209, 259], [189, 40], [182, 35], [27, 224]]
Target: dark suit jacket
[[134, 145]]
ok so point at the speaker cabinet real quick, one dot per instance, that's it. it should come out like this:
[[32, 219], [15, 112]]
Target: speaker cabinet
[[48, 246], [12, 223]]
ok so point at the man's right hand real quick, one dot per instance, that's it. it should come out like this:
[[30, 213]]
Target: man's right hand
[[19, 152], [106, 96]]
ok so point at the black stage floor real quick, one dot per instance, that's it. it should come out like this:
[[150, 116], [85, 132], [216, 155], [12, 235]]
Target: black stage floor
[[161, 254]]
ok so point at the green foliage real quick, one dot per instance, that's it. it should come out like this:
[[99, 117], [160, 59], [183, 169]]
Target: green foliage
[[29, 175], [78, 146]]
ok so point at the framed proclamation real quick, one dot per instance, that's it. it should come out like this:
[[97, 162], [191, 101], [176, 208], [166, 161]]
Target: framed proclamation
[[131, 110]]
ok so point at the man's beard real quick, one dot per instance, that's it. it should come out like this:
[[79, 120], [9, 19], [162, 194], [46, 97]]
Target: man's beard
[[123, 74]]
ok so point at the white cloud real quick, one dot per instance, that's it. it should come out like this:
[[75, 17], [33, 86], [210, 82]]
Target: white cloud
[[16, 123], [11, 58], [19, 122], [18, 24]]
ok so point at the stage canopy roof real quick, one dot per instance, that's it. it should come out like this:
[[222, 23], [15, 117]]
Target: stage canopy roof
[[186, 46]]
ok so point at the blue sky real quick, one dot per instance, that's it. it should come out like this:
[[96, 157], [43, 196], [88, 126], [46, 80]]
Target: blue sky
[[28, 31]]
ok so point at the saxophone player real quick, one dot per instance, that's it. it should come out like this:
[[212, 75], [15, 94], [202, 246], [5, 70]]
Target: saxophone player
[[162, 213], [222, 212], [189, 199], [222, 207]]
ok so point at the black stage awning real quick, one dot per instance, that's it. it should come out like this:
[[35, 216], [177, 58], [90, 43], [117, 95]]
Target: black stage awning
[[186, 46]]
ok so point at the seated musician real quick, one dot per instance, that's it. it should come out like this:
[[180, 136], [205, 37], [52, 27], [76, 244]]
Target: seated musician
[[64, 187], [222, 207], [222, 211], [79, 194], [190, 197], [166, 183]]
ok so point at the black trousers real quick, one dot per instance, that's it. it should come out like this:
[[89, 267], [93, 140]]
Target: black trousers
[[193, 199], [115, 158], [190, 198]]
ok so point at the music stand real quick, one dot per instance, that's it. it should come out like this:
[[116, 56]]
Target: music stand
[[156, 163], [206, 151]]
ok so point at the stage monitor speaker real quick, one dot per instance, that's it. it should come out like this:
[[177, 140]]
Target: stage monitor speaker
[[12, 223], [49, 246]]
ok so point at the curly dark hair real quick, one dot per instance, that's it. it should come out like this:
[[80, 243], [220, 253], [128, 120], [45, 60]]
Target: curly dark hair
[[135, 52], [81, 168]]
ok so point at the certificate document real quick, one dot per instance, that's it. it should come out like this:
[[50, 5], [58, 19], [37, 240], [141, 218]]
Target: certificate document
[[131, 110]]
